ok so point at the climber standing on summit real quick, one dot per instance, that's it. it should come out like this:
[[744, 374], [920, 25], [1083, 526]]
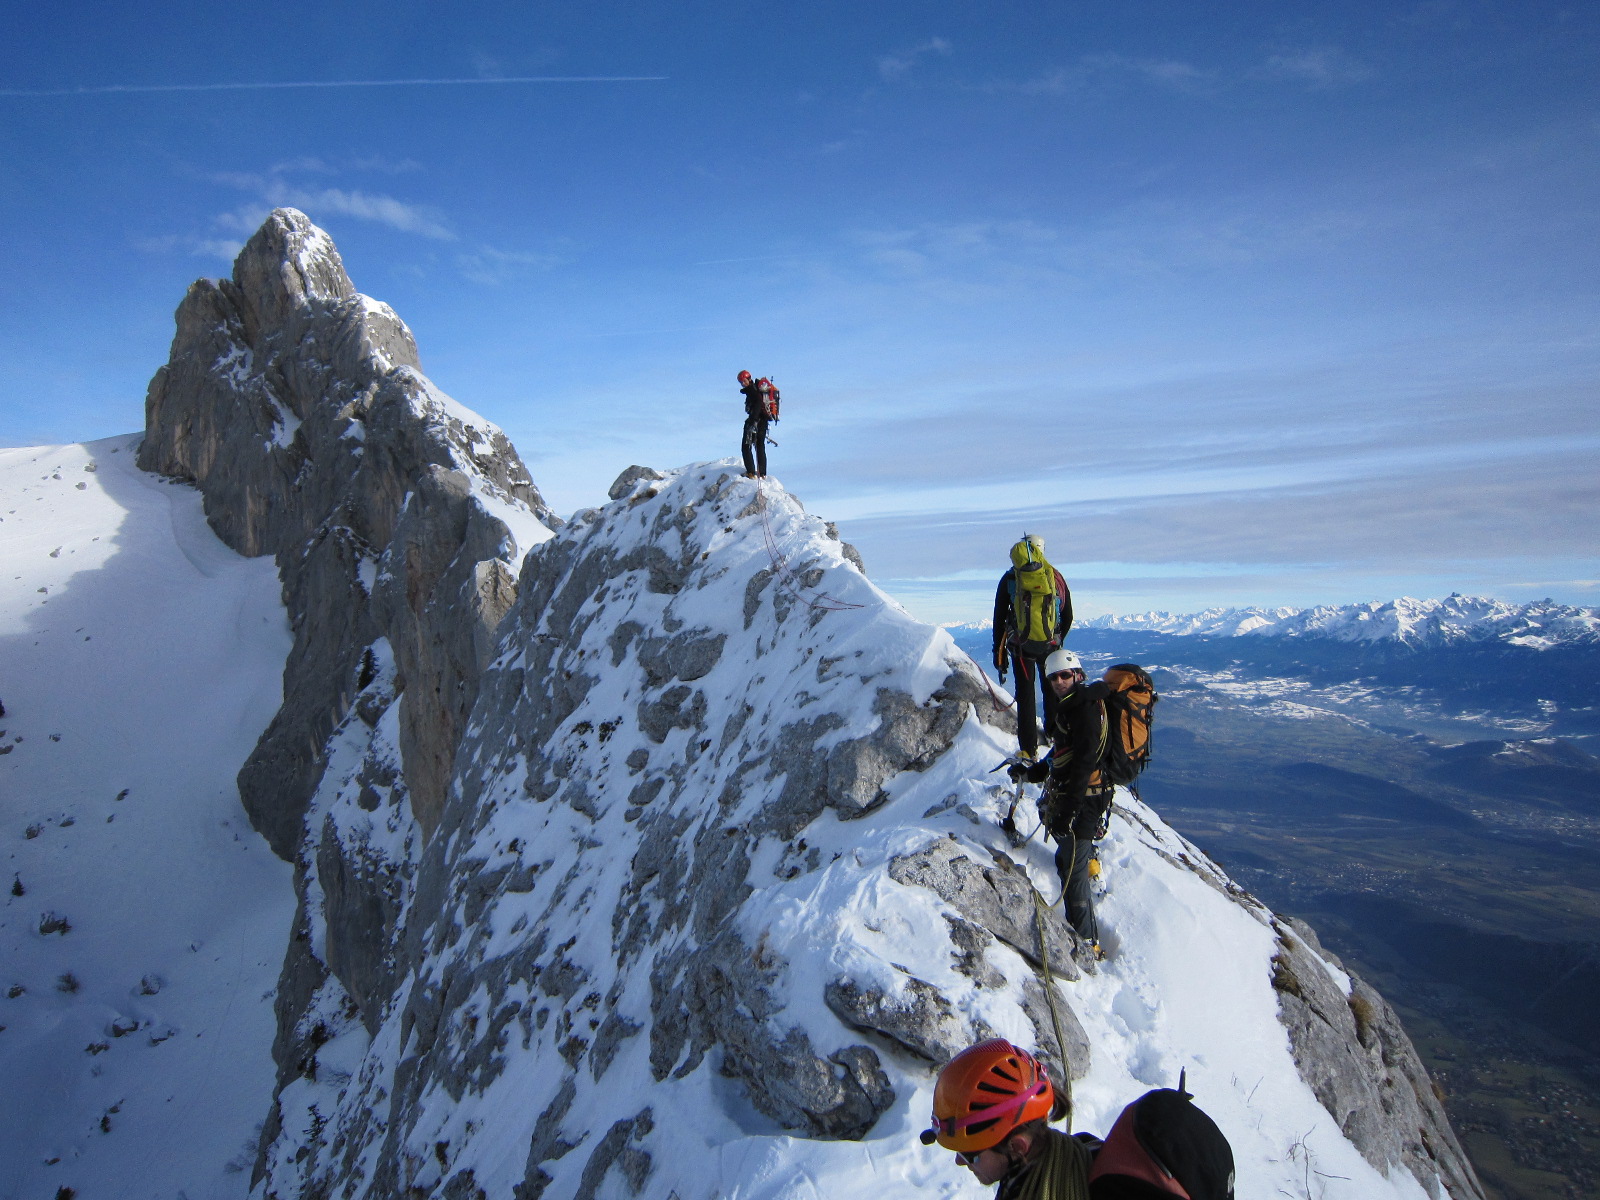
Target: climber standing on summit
[[1077, 795], [1032, 615], [760, 407]]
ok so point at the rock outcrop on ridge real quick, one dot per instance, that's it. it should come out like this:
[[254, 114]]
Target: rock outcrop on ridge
[[665, 862], [298, 408]]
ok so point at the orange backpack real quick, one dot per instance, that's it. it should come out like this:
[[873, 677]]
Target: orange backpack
[[1130, 708]]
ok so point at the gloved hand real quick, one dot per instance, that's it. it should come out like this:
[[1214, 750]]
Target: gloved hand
[[1033, 772]]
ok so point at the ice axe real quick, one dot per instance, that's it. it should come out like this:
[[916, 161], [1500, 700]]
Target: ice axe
[[1009, 823]]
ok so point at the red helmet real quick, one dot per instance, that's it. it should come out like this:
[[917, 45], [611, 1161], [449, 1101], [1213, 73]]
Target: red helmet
[[745, 376], [986, 1092]]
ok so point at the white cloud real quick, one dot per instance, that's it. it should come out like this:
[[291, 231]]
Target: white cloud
[[385, 210], [1317, 67], [274, 190], [492, 267], [895, 67], [1097, 71], [204, 247]]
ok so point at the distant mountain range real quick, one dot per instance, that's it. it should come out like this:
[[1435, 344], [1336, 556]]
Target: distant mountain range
[[1417, 623]]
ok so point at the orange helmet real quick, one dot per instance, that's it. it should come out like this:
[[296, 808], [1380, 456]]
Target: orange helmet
[[984, 1093], [744, 376]]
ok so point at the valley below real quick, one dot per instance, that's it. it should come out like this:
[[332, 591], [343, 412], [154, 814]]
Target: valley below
[[1441, 835]]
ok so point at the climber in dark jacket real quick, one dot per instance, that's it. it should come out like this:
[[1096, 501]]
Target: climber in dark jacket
[[1027, 660], [760, 407], [1077, 795]]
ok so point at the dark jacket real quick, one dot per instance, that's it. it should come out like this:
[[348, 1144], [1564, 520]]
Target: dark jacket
[[755, 398], [1078, 746], [1005, 614]]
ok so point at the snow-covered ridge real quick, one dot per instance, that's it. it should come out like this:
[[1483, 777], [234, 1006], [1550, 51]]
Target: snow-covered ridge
[[720, 883], [1456, 618], [669, 865]]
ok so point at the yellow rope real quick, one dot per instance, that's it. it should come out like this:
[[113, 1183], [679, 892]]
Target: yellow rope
[[1050, 996]]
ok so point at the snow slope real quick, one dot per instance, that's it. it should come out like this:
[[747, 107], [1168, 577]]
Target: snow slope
[[140, 660], [629, 936]]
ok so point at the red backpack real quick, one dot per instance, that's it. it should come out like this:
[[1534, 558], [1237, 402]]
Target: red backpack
[[769, 397]]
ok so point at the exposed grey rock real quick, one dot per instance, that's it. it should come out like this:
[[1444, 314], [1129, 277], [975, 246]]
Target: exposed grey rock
[[1070, 1061], [718, 997], [970, 942], [998, 898], [547, 1145], [616, 1149], [1356, 1057], [629, 480], [297, 407], [686, 656], [917, 1019]]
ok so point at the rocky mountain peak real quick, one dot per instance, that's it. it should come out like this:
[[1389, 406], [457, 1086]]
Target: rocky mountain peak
[[398, 518], [290, 265]]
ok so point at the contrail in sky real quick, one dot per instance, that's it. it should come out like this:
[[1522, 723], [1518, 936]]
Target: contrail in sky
[[337, 83]]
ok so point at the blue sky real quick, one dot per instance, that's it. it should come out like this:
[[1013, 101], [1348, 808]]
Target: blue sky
[[1271, 302]]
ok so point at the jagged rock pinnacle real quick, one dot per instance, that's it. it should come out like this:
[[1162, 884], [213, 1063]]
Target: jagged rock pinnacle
[[297, 407]]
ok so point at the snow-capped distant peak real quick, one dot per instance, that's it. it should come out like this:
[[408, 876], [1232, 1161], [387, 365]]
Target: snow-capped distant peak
[[1456, 618]]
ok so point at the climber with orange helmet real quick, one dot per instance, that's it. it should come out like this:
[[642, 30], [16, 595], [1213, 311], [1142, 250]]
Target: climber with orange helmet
[[992, 1106], [760, 407]]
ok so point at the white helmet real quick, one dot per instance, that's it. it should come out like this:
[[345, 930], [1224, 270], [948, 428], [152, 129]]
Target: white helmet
[[1061, 660]]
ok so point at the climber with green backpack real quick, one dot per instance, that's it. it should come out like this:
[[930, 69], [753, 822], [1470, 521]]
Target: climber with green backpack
[[1032, 614]]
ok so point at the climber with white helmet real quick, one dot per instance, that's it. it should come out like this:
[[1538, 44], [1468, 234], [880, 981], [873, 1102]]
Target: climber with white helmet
[[1077, 795]]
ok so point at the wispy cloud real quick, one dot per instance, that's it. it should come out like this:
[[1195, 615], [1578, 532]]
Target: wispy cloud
[[226, 249], [274, 190], [1316, 67], [491, 267], [1099, 72], [895, 67]]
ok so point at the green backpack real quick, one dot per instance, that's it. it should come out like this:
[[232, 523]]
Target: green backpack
[[1035, 604]]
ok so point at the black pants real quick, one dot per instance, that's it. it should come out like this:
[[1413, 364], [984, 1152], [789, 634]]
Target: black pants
[[1075, 834], [754, 446], [1030, 681]]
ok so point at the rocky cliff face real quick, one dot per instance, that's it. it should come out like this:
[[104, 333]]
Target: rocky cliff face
[[666, 864], [298, 409]]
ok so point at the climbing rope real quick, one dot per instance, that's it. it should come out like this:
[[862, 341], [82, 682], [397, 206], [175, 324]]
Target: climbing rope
[[780, 564], [1050, 995]]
